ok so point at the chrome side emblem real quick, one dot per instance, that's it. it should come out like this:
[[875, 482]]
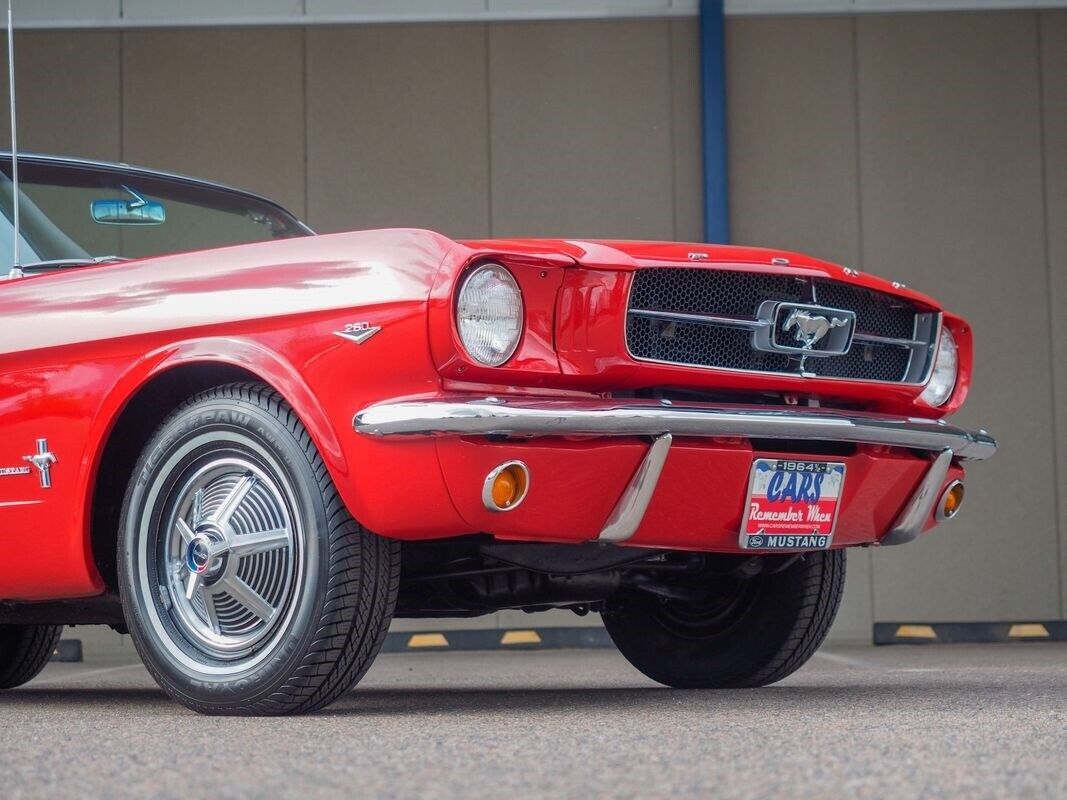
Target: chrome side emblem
[[697, 256], [358, 332], [43, 460], [810, 328]]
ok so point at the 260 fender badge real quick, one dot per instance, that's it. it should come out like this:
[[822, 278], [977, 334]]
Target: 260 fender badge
[[358, 332], [43, 459]]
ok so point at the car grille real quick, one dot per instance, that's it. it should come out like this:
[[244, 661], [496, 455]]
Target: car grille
[[710, 318]]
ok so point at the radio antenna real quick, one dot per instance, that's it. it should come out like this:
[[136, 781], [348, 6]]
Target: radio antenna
[[16, 270]]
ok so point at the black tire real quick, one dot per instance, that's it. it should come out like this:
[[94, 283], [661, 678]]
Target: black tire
[[309, 610], [24, 650], [748, 632]]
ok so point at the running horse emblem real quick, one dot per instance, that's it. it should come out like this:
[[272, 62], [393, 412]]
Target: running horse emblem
[[811, 328]]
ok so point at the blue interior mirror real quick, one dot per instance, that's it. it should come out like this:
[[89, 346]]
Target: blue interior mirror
[[136, 211]]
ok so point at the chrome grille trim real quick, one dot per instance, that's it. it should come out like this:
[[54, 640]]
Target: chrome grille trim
[[707, 319], [916, 365]]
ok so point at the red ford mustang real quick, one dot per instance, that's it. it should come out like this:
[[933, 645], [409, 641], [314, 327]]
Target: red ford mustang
[[251, 447]]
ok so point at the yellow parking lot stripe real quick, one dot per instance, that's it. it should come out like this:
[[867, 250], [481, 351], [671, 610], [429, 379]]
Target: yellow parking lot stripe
[[1028, 630], [428, 640], [916, 632], [520, 637]]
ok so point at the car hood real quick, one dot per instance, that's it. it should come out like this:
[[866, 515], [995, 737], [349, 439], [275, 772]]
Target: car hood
[[630, 255]]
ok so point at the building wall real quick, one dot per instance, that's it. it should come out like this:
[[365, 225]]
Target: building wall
[[929, 148]]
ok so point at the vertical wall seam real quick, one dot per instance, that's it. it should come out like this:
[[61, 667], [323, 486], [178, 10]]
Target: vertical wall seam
[[489, 128], [859, 254], [860, 261], [122, 95], [672, 129], [1046, 220], [306, 126]]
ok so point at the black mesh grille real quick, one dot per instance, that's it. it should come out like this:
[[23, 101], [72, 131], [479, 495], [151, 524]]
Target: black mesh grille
[[739, 295], [700, 345], [876, 313], [705, 291], [864, 362]]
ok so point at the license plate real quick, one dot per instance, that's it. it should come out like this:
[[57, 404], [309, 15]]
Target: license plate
[[792, 505]]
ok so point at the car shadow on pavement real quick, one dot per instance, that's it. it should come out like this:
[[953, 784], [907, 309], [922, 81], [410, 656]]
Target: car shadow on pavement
[[374, 701], [82, 696], [428, 700]]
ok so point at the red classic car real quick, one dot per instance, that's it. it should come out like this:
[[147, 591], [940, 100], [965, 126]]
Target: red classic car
[[251, 447]]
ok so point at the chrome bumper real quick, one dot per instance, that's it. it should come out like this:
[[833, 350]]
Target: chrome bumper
[[530, 417]]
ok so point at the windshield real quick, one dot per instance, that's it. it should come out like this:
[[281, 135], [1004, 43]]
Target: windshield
[[75, 211]]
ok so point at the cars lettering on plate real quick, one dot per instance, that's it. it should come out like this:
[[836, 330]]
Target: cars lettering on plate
[[792, 504]]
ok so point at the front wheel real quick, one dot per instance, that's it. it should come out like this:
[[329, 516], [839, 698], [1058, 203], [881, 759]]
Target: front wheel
[[247, 587], [732, 632]]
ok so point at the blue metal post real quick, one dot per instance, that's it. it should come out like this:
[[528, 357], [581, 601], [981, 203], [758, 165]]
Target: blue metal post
[[713, 114]]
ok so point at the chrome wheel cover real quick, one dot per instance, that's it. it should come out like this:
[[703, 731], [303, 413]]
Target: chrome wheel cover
[[228, 556]]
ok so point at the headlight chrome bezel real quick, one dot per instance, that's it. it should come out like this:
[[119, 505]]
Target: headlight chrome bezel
[[477, 351], [941, 385]]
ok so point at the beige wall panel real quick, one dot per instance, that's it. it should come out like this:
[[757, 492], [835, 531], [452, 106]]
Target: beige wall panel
[[68, 93], [224, 103], [203, 10], [952, 204], [397, 128], [86, 12], [581, 129], [687, 153], [1054, 69], [791, 108]]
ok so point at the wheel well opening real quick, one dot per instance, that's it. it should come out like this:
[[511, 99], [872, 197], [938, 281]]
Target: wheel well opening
[[143, 414]]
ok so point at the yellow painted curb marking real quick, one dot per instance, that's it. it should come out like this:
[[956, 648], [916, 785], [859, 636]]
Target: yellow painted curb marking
[[916, 632], [1028, 630], [521, 637], [428, 640]]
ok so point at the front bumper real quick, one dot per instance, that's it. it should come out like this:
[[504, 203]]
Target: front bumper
[[585, 452], [498, 417]]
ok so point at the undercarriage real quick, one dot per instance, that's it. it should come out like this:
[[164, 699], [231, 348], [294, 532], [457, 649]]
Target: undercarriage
[[470, 576], [476, 575]]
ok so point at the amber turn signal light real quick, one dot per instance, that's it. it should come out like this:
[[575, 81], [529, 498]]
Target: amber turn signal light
[[506, 486], [951, 501]]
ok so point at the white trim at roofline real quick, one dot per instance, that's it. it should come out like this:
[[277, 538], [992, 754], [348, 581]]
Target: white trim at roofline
[[109, 14]]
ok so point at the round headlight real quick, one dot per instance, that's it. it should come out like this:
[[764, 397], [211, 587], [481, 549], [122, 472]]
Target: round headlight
[[489, 315], [943, 379]]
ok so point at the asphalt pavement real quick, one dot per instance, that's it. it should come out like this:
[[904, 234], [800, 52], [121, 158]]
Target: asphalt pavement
[[857, 722]]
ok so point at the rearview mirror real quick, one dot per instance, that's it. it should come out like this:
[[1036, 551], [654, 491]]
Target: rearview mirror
[[137, 211]]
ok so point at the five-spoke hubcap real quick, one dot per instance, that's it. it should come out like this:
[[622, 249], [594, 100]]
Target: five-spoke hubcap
[[230, 554]]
